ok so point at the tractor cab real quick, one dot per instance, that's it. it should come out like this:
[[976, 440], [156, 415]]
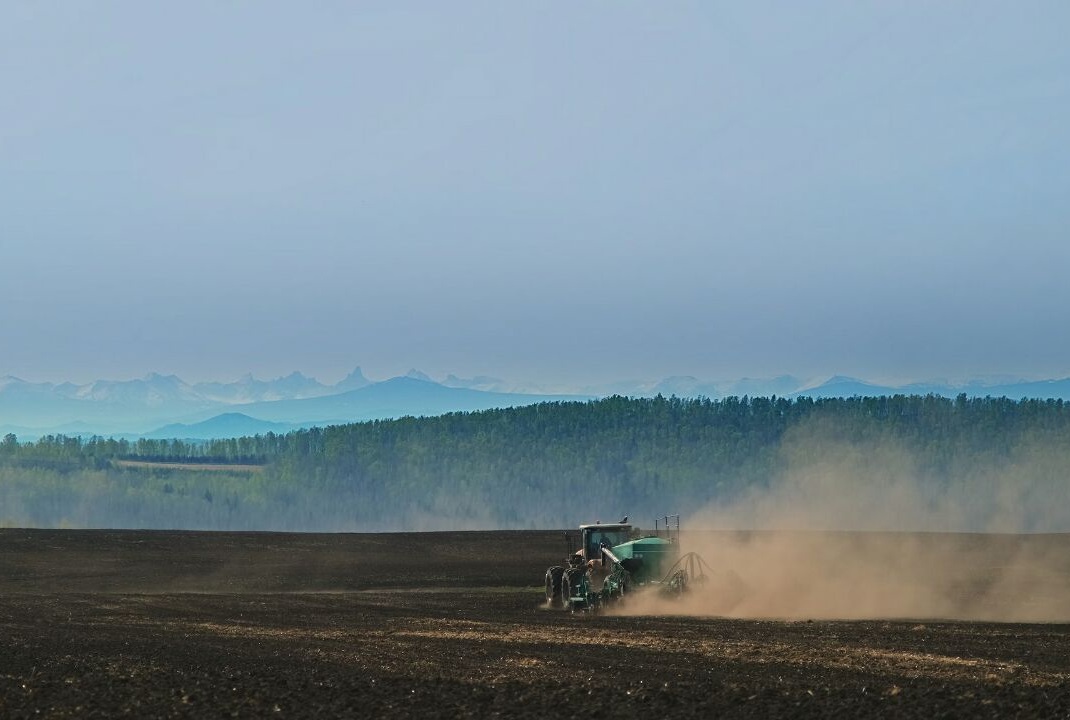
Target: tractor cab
[[595, 538]]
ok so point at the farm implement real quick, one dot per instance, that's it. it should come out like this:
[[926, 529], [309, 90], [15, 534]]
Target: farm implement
[[614, 561]]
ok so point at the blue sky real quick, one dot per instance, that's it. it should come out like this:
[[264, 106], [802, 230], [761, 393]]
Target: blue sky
[[557, 193]]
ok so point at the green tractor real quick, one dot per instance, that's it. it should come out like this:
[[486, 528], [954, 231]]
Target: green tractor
[[614, 560]]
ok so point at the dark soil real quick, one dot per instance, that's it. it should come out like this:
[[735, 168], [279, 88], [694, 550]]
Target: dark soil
[[173, 624]]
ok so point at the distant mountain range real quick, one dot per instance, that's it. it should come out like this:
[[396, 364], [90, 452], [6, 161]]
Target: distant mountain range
[[165, 406], [227, 425], [161, 406], [840, 386]]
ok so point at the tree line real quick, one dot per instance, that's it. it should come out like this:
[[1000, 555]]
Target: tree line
[[546, 465]]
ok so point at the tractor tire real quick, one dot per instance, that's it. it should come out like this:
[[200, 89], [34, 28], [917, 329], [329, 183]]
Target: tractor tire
[[553, 586], [567, 586]]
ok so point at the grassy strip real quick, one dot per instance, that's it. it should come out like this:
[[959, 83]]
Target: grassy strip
[[207, 467]]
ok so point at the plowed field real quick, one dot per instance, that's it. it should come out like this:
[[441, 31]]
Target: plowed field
[[178, 624]]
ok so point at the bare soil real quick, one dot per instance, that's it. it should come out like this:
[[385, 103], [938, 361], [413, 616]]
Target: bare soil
[[181, 624]]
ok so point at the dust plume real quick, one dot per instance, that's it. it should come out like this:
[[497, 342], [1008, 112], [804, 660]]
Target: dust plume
[[853, 530]]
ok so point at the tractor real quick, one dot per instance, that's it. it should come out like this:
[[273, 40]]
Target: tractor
[[614, 560]]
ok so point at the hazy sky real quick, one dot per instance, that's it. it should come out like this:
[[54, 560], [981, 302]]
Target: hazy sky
[[563, 192]]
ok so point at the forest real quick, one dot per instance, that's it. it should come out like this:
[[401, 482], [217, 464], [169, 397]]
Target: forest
[[550, 465]]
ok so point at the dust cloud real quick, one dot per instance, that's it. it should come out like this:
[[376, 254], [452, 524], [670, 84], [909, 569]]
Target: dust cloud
[[858, 530]]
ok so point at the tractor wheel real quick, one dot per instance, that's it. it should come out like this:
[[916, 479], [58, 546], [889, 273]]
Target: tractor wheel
[[567, 585], [553, 585]]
